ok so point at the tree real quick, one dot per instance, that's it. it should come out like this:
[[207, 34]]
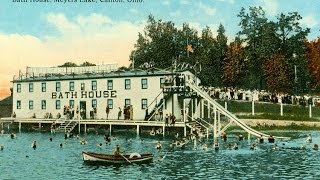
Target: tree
[[235, 65], [291, 42], [252, 25], [161, 44], [277, 74], [87, 64], [264, 39], [206, 52], [313, 61], [68, 64], [156, 46]]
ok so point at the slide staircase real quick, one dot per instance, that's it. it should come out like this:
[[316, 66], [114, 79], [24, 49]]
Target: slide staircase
[[225, 112], [157, 105], [67, 126]]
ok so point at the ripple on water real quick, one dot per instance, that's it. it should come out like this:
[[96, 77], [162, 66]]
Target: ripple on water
[[49, 161]]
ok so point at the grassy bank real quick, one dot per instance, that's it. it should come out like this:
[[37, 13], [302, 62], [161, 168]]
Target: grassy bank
[[243, 109]]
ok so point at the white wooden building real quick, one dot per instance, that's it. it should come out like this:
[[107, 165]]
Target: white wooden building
[[44, 91]]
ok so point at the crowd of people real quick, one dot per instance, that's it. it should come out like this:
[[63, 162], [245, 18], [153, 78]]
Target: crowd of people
[[263, 96]]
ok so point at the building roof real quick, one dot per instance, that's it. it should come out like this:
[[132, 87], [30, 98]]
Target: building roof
[[6, 101], [92, 75]]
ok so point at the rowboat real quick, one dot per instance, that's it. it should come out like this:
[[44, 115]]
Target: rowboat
[[98, 158]]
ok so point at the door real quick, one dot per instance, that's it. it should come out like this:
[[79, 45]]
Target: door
[[83, 109]]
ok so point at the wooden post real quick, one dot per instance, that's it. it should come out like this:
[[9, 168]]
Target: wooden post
[[79, 128], [281, 109], [110, 130], [163, 130], [184, 111], [252, 107], [310, 111], [226, 105], [19, 127], [191, 109], [209, 110], [85, 128], [219, 121], [215, 122], [202, 108], [138, 128]]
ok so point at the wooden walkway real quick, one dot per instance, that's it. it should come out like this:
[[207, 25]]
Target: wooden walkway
[[85, 122]]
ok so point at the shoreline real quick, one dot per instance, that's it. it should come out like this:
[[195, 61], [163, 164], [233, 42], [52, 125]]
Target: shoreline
[[280, 123]]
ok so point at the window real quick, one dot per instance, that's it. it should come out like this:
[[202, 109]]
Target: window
[[30, 104], [82, 87], [110, 103], [18, 88], [18, 104], [162, 82], [94, 103], [127, 102], [144, 103], [71, 86], [43, 104], [30, 87], [94, 85], [58, 104], [58, 86], [71, 103], [43, 87], [144, 83], [110, 84], [127, 84]]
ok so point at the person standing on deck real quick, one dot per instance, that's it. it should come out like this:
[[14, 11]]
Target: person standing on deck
[[166, 120], [131, 112], [119, 113], [107, 111], [161, 114], [125, 111]]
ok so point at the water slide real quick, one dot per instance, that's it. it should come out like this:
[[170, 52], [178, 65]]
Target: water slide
[[226, 112]]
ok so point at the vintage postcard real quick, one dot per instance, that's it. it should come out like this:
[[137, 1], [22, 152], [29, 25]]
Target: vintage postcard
[[159, 89]]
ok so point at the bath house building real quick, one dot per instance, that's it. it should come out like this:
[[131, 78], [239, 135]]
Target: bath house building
[[96, 92]]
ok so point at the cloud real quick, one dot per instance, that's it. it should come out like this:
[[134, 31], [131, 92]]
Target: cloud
[[207, 9], [309, 21], [175, 13], [228, 1], [271, 7], [184, 2], [165, 2], [134, 11], [95, 38]]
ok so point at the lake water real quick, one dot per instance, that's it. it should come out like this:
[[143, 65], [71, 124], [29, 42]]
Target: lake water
[[48, 161]]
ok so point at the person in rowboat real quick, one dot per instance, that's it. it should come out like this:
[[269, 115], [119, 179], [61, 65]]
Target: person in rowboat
[[116, 151]]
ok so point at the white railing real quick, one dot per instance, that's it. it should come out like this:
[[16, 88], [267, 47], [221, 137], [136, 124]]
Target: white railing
[[225, 112]]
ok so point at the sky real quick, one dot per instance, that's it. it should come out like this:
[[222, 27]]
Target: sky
[[47, 34]]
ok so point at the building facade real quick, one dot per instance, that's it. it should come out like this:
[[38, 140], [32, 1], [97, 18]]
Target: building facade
[[89, 93]]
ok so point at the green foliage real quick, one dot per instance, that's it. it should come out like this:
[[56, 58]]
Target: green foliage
[[68, 64], [87, 64], [244, 63], [72, 64]]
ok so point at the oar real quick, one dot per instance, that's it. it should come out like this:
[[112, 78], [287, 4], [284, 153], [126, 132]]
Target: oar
[[125, 158]]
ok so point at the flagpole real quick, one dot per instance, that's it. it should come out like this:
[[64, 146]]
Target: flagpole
[[187, 48]]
